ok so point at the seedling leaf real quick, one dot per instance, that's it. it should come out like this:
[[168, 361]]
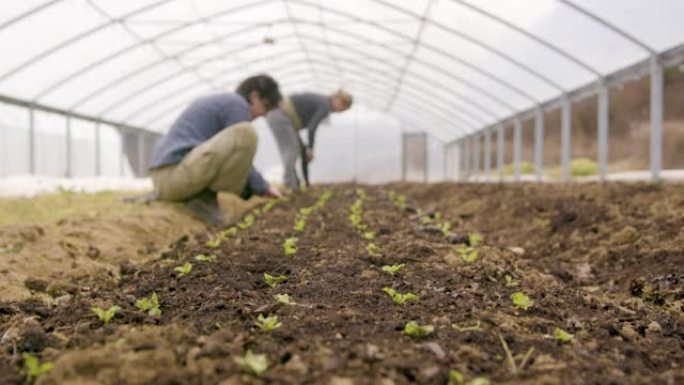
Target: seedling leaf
[[206, 258], [247, 222], [290, 246], [256, 364], [399, 298], [183, 269], [393, 269], [151, 305], [34, 368], [267, 324], [468, 254], [373, 249], [563, 336], [369, 235], [521, 301], [300, 224], [510, 282], [285, 299], [105, 315], [415, 330], [474, 239], [456, 378], [273, 281]]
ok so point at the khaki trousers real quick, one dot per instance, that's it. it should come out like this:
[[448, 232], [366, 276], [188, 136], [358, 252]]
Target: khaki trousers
[[222, 163]]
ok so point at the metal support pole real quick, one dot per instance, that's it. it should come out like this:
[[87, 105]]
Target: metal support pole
[[565, 138], [603, 131], [517, 139], [141, 155], [32, 141], [457, 158], [68, 172], [487, 152], [656, 118], [467, 147], [476, 154], [98, 161], [500, 151], [445, 154], [538, 144], [122, 154]]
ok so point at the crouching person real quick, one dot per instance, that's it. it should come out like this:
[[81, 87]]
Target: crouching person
[[210, 148]]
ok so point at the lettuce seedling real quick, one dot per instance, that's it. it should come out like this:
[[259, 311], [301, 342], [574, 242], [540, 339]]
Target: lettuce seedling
[[563, 336], [468, 254], [425, 220], [445, 228], [256, 364], [369, 235], [399, 298], [272, 281], [285, 299], [268, 206], [215, 242], [300, 224], [400, 201], [105, 315], [206, 258], [290, 246], [521, 301], [479, 381], [510, 282], [150, 305], [268, 324], [456, 378], [228, 232], [247, 222], [393, 269], [415, 330], [373, 249], [306, 211], [474, 239], [34, 368], [183, 269], [361, 193]]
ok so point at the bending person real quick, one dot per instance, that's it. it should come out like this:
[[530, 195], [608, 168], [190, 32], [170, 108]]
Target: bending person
[[210, 148], [299, 111]]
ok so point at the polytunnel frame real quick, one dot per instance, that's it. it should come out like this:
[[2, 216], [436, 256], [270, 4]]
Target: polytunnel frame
[[656, 63]]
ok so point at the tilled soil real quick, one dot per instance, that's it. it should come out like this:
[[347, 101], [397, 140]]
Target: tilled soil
[[600, 262]]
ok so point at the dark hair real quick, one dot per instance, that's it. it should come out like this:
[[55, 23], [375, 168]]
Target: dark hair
[[265, 86]]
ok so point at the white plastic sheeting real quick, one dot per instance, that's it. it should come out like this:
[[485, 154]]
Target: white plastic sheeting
[[460, 64]]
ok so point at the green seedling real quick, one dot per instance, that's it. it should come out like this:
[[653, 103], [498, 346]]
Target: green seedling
[[34, 368], [474, 239], [272, 281], [393, 269], [373, 249], [467, 254], [306, 211], [521, 301], [445, 228], [268, 206], [206, 258], [400, 201], [479, 381], [510, 282], [399, 298], [563, 336], [300, 224], [268, 324], [150, 305], [228, 232], [361, 193], [285, 299], [425, 220], [323, 199], [183, 269], [290, 246], [105, 315], [215, 242], [369, 235], [456, 378], [256, 364], [415, 330], [247, 222], [256, 211]]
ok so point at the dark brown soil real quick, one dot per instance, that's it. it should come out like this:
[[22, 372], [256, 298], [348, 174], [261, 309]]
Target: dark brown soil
[[601, 262]]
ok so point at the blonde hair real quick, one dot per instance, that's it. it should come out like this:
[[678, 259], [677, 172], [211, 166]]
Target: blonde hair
[[345, 96]]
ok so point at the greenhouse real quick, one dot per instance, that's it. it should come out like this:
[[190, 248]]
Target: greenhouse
[[456, 192]]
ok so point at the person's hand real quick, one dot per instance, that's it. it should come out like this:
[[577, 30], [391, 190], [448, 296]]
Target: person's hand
[[309, 155], [273, 192]]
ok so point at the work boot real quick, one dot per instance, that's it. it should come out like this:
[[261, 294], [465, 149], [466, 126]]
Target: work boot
[[205, 205]]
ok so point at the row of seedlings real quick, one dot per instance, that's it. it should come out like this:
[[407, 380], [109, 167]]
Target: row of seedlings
[[257, 364], [467, 250]]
